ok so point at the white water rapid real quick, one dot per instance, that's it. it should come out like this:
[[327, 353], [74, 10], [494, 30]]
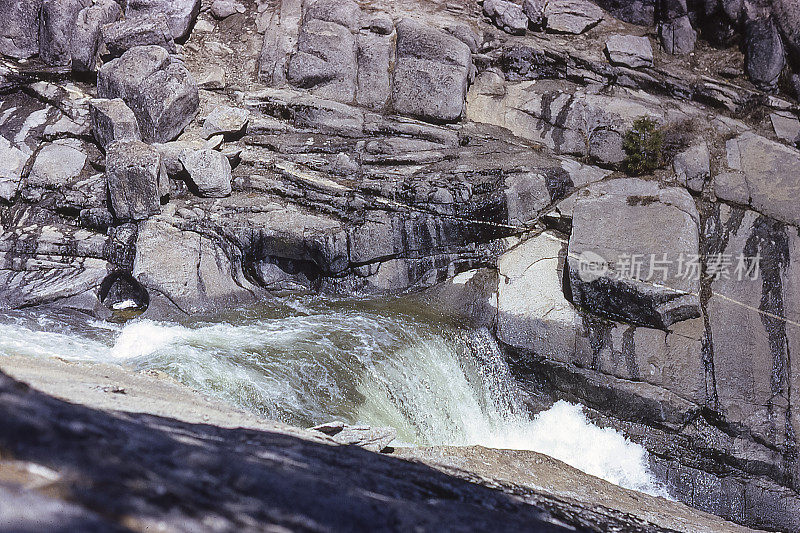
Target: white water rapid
[[306, 362]]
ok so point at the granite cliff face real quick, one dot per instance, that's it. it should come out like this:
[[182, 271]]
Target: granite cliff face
[[179, 157]]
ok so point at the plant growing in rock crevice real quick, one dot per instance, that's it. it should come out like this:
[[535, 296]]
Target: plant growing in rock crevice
[[643, 145]]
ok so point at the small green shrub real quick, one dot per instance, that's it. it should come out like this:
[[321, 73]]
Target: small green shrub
[[643, 145]]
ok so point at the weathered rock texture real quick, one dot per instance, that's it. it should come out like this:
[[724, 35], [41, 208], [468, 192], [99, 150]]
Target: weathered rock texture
[[449, 149]]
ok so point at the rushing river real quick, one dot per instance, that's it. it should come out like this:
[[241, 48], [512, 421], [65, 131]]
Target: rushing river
[[306, 361]]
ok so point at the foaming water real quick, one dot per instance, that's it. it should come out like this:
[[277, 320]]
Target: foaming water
[[306, 362]]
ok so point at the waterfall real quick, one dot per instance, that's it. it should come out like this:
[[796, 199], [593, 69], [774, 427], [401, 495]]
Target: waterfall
[[306, 361]]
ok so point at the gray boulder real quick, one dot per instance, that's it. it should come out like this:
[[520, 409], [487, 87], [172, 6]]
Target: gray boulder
[[172, 153], [534, 317], [163, 253], [430, 77], [56, 164], [221, 9], [678, 37], [158, 88], [734, 9], [133, 172], [380, 24], [572, 16], [786, 14], [634, 268], [209, 171], [465, 34], [141, 31], [629, 51], [325, 61], [675, 29], [640, 12], [534, 10], [786, 126], [226, 120], [180, 14], [86, 35], [749, 339], [764, 53], [345, 13], [112, 120], [507, 16], [373, 81], [165, 103], [121, 77], [19, 28], [55, 30], [668, 10], [532, 312], [280, 39]]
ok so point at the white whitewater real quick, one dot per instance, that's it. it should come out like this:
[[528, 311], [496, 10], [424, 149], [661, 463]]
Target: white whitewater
[[308, 364]]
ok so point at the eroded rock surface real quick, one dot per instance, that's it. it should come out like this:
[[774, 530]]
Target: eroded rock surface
[[476, 152]]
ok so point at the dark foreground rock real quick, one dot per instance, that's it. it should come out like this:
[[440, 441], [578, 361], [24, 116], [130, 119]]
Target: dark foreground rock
[[73, 467], [135, 471]]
